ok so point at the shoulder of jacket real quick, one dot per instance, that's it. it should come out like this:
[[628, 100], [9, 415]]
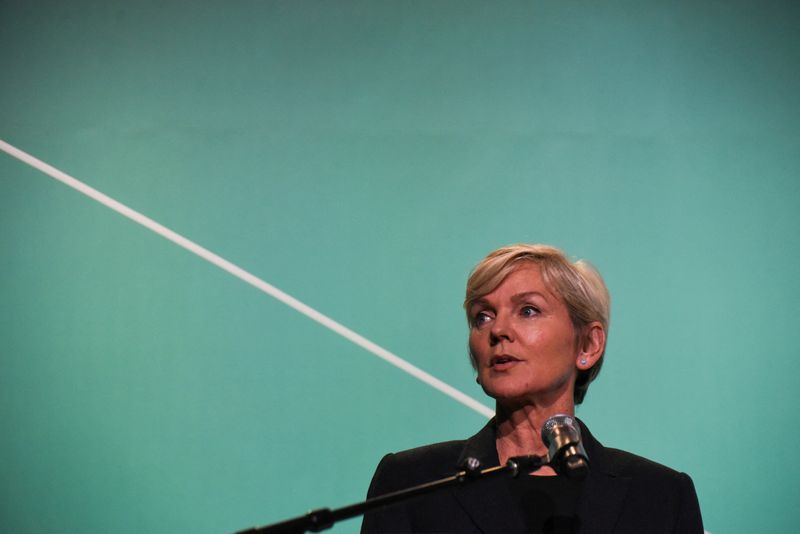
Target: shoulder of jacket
[[435, 453], [407, 468], [627, 464]]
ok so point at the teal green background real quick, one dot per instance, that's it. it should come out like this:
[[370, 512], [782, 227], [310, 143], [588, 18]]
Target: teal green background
[[363, 156]]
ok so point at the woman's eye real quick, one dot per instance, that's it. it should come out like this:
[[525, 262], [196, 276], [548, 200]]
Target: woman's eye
[[481, 318], [529, 311]]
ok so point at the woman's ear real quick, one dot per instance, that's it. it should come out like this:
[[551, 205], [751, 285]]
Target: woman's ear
[[593, 343]]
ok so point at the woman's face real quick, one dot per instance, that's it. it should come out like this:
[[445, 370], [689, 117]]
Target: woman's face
[[523, 341]]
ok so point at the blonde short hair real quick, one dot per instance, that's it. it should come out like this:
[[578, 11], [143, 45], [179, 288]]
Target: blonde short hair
[[579, 285]]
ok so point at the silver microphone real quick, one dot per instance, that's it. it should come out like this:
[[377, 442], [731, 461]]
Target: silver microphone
[[565, 453]]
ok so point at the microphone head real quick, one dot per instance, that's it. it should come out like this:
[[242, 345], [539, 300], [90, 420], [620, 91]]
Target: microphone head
[[565, 453]]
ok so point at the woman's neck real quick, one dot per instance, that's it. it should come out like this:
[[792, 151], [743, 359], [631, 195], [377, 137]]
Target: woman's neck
[[519, 430]]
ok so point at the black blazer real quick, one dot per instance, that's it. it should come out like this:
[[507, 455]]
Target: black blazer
[[623, 493]]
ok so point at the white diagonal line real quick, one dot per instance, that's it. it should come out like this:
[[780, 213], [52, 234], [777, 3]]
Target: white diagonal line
[[245, 276]]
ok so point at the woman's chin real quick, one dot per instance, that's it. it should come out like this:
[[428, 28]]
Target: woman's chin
[[507, 393], [512, 395]]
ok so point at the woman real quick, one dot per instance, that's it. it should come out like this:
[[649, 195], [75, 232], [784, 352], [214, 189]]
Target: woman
[[537, 334]]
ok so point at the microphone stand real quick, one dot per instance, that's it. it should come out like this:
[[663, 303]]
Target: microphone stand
[[324, 518]]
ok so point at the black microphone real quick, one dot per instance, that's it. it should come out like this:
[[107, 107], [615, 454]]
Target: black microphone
[[565, 453]]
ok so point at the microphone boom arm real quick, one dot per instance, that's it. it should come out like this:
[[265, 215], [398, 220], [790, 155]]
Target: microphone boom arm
[[324, 518]]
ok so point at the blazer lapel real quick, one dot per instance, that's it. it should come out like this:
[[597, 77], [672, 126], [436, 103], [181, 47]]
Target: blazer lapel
[[603, 490], [488, 503], [492, 508]]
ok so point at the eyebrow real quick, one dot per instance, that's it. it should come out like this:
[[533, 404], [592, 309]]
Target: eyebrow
[[524, 296], [519, 297]]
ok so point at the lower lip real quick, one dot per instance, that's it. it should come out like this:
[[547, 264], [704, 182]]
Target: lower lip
[[505, 365]]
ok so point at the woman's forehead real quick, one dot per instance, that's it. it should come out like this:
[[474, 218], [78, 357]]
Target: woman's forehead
[[525, 281]]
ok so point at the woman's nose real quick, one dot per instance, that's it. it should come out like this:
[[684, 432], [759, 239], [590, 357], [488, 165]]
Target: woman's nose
[[500, 331]]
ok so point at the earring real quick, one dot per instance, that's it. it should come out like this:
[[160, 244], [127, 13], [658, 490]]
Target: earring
[[583, 361]]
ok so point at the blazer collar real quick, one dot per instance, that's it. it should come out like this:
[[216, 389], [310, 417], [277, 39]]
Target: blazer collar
[[491, 506], [604, 490], [488, 503]]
